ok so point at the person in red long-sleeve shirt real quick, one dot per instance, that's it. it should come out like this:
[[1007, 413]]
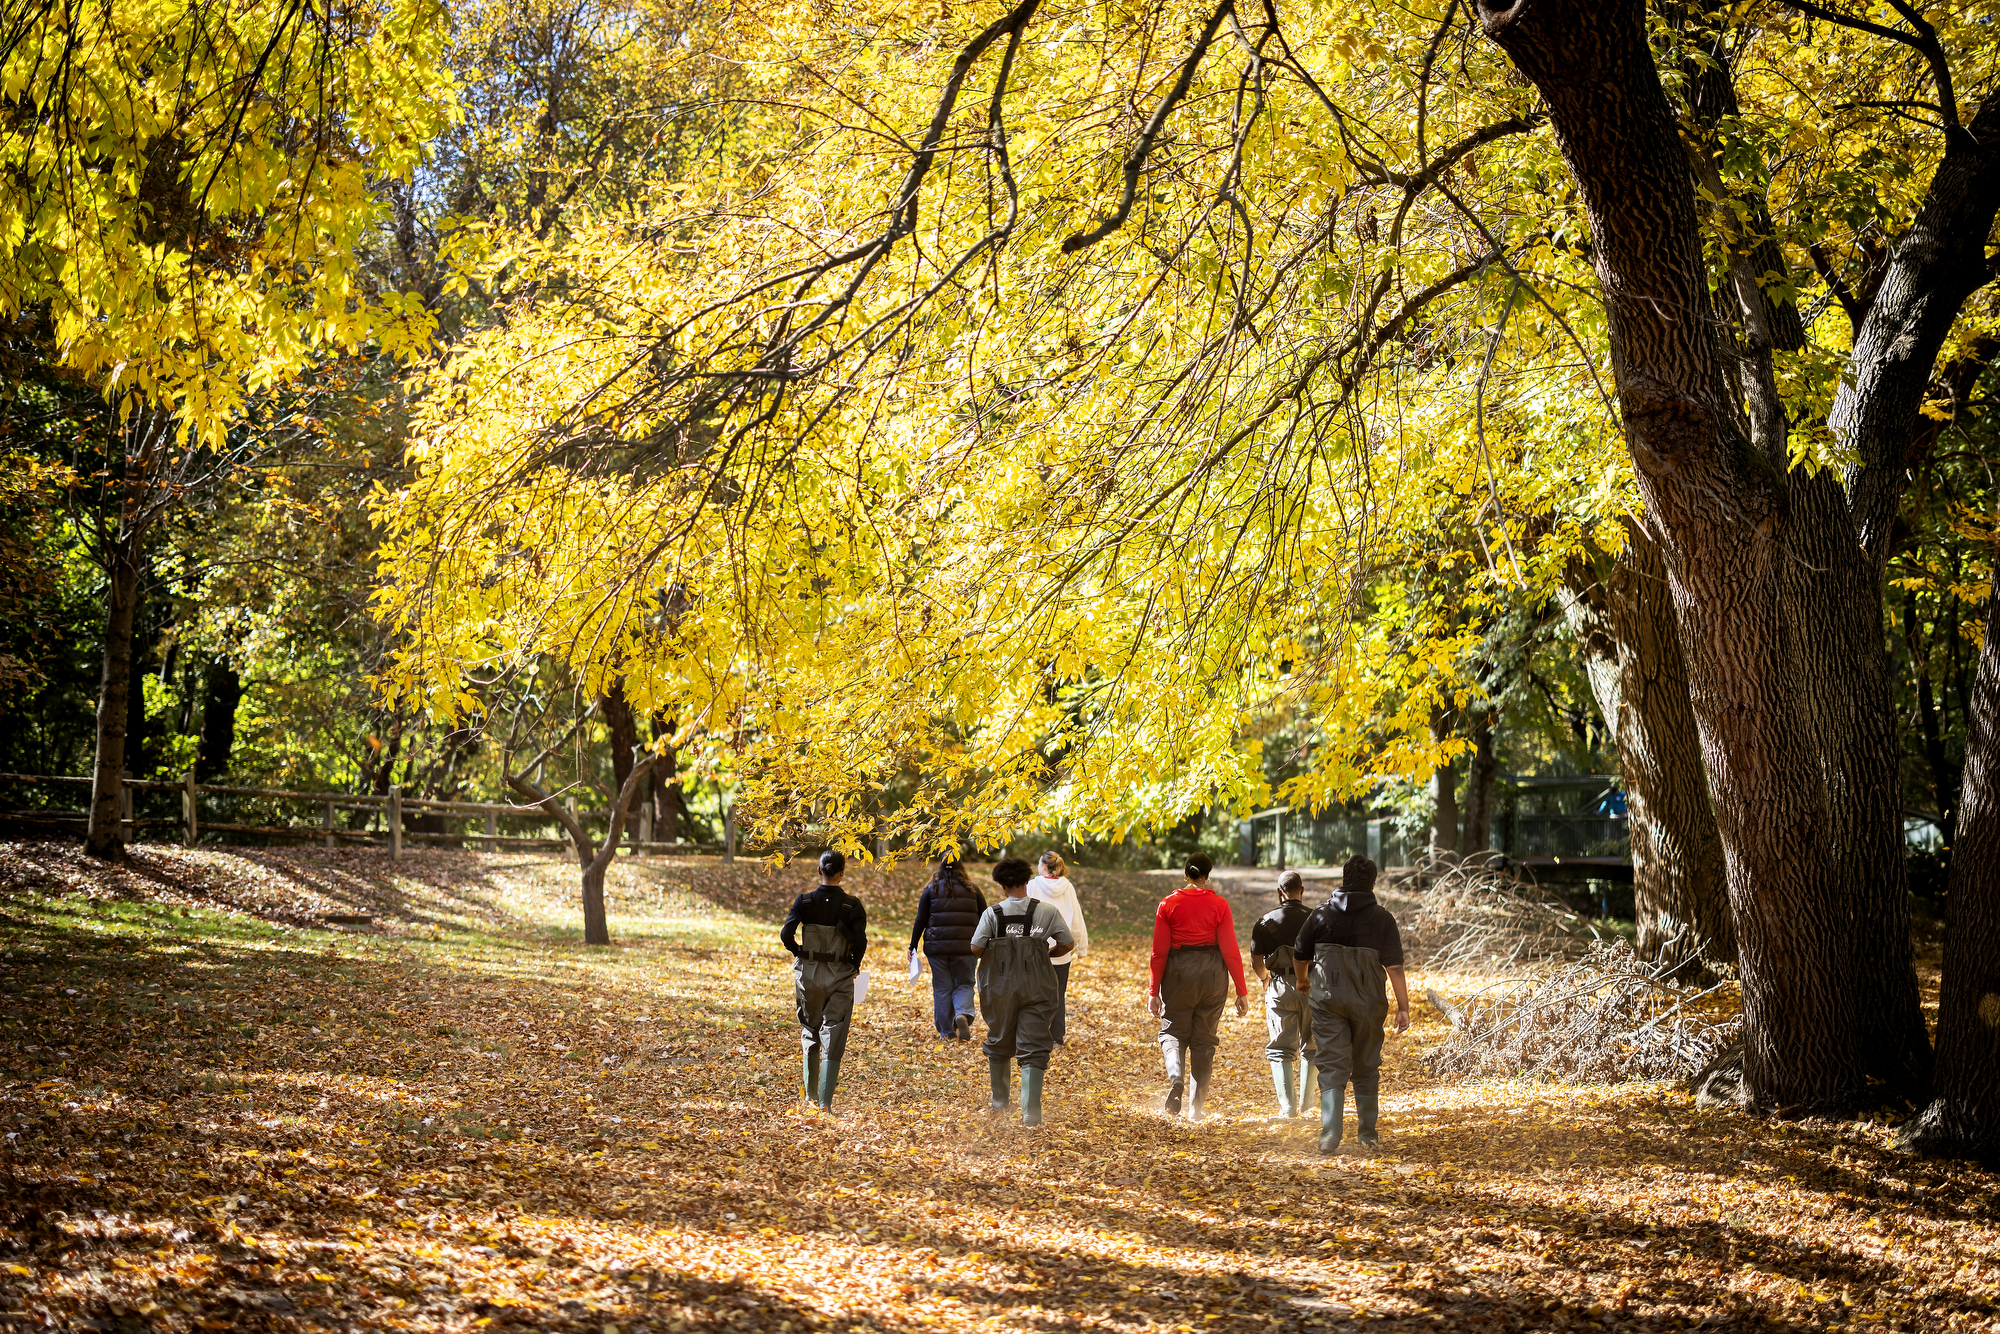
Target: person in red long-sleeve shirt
[[1194, 960]]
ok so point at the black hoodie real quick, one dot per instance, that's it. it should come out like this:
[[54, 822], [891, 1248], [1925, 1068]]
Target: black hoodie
[[1355, 920]]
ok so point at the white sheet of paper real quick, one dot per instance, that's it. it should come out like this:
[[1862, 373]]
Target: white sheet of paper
[[916, 965], [860, 986]]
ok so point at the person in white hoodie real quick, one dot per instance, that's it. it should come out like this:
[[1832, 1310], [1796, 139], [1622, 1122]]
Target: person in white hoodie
[[1052, 886]]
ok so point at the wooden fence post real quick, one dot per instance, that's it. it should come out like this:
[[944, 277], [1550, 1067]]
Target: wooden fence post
[[645, 827], [492, 830], [729, 834], [327, 822], [1281, 840], [395, 820], [190, 794], [124, 810]]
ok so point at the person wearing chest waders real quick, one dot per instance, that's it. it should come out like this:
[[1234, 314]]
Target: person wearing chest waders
[[948, 911], [1194, 960], [1286, 1018], [827, 933], [1018, 987], [1348, 948]]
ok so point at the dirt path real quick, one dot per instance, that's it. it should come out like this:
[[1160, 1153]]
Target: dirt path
[[218, 1116]]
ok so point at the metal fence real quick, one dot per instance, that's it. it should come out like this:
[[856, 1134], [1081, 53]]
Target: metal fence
[[188, 811]]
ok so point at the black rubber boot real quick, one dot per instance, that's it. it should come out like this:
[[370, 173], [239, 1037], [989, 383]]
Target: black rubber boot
[[1368, 1107], [1202, 1067], [1331, 1114], [1001, 1068], [1176, 1056]]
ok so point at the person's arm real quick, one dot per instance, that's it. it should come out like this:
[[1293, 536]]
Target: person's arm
[[788, 933], [1393, 964], [1163, 939], [1061, 942], [1303, 948], [1401, 987], [1076, 925], [857, 932], [982, 933], [1232, 955], [923, 918]]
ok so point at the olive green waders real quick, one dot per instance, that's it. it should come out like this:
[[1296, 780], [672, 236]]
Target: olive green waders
[[1288, 1022], [823, 984], [1018, 995], [1349, 1005]]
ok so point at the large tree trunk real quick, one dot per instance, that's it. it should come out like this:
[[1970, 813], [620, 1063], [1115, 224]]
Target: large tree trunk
[[1444, 790], [1480, 772], [670, 807], [1964, 1118], [1722, 511], [105, 834], [1623, 618], [1838, 587], [624, 729]]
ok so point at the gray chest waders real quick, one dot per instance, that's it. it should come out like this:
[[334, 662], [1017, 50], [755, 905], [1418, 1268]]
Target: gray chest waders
[[1349, 1004], [1288, 1023], [823, 986], [1193, 990], [1018, 995]]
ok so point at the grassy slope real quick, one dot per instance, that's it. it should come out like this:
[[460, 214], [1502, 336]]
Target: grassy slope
[[221, 1116]]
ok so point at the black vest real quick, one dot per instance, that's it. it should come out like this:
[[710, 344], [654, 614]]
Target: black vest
[[954, 917]]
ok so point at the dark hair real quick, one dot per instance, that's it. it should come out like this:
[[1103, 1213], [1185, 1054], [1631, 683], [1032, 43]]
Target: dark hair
[[1291, 882], [832, 863], [1011, 873], [1357, 874], [950, 871], [1198, 867]]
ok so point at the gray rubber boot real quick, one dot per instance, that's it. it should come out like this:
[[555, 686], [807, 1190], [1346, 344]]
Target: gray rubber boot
[[1308, 1086], [1176, 1056], [1331, 1114], [829, 1079], [1031, 1096], [810, 1088], [1285, 1074], [1201, 1066], [1367, 1108], [1001, 1068]]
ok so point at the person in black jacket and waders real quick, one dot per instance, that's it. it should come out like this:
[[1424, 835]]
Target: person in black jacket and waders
[[1286, 1016], [1347, 949], [827, 933], [1018, 987]]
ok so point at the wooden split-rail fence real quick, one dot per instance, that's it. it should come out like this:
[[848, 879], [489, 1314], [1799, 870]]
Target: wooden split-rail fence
[[391, 807]]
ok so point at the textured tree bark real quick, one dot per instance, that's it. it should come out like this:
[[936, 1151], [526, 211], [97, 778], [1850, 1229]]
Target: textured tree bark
[[1623, 617], [1722, 513], [1483, 768], [1444, 790], [1963, 1120], [1836, 589], [104, 834]]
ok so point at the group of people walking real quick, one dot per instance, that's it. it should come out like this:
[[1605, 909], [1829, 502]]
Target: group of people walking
[[1324, 972]]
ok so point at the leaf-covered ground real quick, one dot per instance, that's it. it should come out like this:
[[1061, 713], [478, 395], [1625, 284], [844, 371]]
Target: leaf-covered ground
[[220, 1114]]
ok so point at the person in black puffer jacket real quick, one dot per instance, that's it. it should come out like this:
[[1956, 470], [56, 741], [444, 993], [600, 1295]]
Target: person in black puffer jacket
[[947, 914]]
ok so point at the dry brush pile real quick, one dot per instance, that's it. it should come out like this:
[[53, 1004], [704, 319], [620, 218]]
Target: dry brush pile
[[1573, 1002]]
